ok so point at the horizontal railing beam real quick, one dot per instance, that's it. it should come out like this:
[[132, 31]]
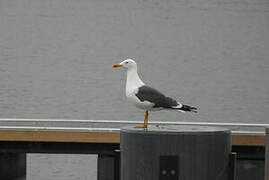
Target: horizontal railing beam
[[137, 122], [98, 129], [106, 131], [98, 137]]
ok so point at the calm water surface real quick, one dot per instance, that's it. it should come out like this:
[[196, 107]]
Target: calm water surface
[[56, 56]]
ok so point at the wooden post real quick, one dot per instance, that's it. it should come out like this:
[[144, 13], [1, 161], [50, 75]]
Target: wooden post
[[175, 153], [267, 155], [13, 166], [108, 166], [105, 167]]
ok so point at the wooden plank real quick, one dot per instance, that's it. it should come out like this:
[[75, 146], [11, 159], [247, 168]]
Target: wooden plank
[[99, 137], [59, 136], [12, 166], [248, 140]]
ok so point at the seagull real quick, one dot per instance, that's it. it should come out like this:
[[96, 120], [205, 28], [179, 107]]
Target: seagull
[[146, 97]]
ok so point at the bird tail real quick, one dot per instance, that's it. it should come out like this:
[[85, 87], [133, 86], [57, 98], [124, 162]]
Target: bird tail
[[186, 108]]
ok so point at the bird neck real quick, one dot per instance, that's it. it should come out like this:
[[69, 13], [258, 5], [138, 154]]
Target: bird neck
[[133, 80]]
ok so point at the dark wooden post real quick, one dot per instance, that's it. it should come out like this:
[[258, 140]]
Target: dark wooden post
[[175, 153], [105, 167], [13, 166], [108, 166], [267, 155]]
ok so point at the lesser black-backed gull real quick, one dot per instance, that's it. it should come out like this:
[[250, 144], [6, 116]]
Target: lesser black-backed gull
[[145, 97]]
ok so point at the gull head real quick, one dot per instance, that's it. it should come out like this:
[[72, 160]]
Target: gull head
[[128, 64]]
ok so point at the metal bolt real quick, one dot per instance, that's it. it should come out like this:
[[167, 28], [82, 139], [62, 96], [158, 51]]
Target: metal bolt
[[173, 172]]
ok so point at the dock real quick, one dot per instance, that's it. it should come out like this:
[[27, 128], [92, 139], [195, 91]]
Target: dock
[[101, 137]]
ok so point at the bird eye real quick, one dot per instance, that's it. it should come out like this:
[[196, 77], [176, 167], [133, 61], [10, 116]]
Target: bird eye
[[126, 62]]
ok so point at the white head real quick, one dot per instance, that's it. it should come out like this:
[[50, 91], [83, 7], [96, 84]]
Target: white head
[[133, 79], [128, 63]]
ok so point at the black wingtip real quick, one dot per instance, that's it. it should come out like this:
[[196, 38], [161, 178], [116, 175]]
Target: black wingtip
[[194, 110], [189, 108]]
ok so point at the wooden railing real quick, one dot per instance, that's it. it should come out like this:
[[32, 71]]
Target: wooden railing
[[98, 136], [21, 136], [107, 131]]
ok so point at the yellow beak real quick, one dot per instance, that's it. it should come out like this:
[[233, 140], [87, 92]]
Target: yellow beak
[[116, 65]]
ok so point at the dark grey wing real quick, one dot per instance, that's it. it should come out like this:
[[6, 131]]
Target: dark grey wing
[[146, 93]]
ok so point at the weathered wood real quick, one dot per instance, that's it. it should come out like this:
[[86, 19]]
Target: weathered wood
[[59, 140], [267, 155], [12, 166], [105, 167], [232, 165], [248, 140], [59, 136], [108, 166], [98, 137], [175, 152]]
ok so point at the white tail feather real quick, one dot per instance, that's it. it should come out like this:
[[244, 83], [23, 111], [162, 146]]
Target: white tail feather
[[181, 111]]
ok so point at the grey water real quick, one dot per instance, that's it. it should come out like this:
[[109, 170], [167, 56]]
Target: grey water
[[56, 57]]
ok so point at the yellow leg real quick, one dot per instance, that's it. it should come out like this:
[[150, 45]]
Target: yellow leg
[[146, 119], [145, 125]]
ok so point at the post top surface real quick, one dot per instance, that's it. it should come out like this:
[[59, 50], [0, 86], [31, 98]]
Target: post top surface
[[175, 129]]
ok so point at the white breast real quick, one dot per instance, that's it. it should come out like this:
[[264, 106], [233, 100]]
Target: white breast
[[133, 83]]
